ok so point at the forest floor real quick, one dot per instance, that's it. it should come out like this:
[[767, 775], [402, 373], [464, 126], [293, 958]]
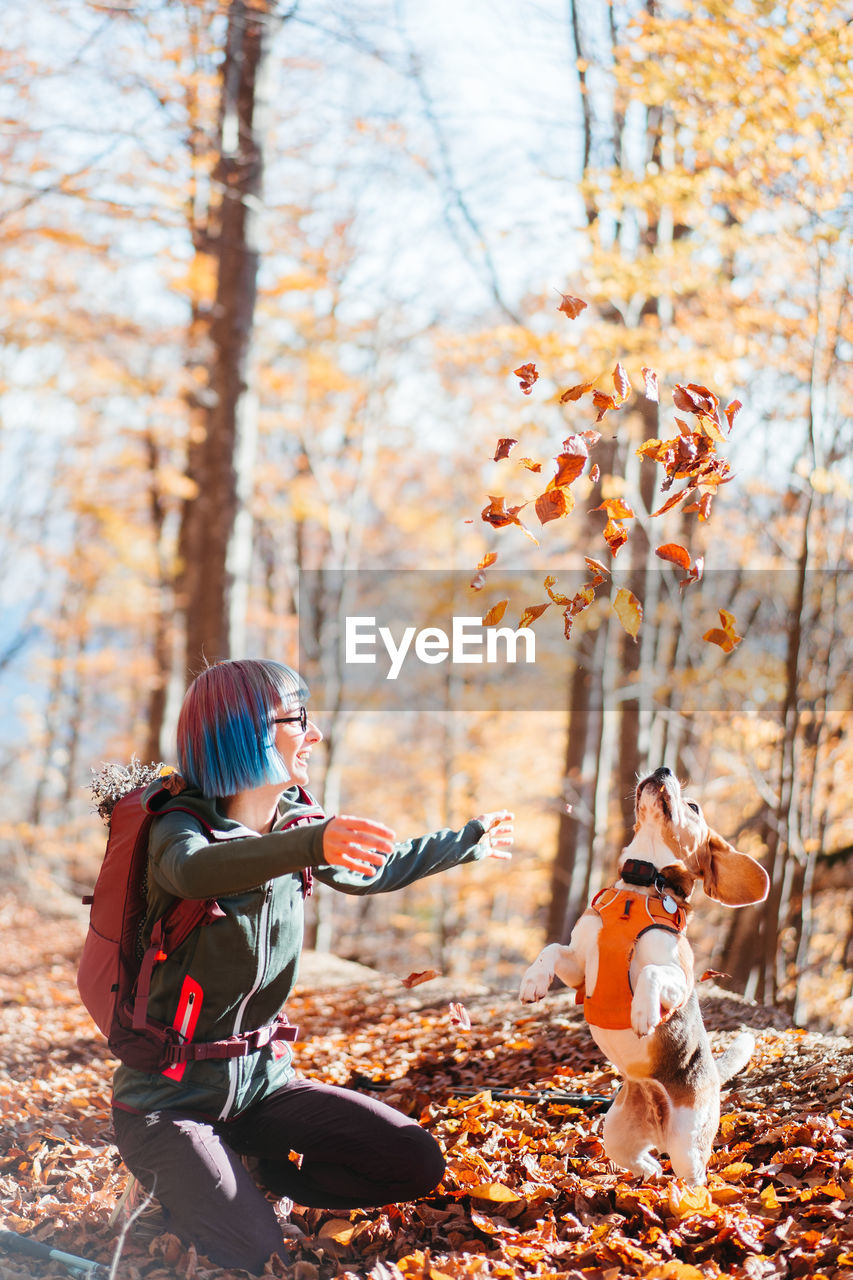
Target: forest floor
[[527, 1192]]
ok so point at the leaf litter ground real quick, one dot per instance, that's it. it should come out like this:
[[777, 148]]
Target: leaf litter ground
[[527, 1192]]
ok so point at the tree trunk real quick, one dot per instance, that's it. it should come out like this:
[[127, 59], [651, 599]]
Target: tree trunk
[[216, 528]]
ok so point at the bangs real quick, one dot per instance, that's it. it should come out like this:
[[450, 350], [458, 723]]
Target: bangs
[[225, 731]]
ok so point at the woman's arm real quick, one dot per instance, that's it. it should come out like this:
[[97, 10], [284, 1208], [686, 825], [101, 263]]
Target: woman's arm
[[488, 836], [185, 863]]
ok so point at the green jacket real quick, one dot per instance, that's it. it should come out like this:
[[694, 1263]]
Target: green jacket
[[246, 962]]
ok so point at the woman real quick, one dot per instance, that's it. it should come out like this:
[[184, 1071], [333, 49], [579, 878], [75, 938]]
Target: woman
[[244, 745]]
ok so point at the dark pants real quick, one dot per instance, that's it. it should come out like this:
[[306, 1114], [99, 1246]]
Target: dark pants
[[355, 1153]]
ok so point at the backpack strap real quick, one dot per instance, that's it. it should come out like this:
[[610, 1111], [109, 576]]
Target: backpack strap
[[315, 814], [173, 928]]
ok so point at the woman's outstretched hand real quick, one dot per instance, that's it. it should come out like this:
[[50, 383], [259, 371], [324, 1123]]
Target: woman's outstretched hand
[[357, 844], [499, 833]]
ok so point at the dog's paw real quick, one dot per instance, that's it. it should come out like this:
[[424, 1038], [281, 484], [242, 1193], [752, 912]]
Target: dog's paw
[[645, 1014], [535, 982]]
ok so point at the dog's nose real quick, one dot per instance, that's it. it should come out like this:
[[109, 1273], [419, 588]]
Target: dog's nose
[[663, 772]]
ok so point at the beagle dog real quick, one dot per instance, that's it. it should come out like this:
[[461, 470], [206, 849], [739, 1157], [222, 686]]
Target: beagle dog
[[632, 967]]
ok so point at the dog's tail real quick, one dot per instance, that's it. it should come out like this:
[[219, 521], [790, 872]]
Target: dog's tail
[[736, 1056]]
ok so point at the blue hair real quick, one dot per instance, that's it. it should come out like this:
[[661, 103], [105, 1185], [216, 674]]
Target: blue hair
[[226, 738]]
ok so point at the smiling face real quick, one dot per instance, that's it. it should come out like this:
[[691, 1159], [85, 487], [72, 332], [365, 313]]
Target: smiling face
[[294, 744]]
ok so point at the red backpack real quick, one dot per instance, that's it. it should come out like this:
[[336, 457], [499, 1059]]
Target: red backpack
[[114, 974]]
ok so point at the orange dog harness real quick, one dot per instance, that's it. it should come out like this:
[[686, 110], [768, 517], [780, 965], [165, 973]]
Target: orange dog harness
[[625, 917]]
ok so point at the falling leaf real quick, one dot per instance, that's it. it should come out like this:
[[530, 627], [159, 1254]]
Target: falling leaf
[[621, 382], [479, 579], [497, 611], [603, 402], [694, 574], [527, 376], [616, 509], [711, 975], [575, 393], [702, 507], [459, 1015], [650, 384], [530, 464], [671, 502], [675, 553], [695, 399], [711, 428], [599, 571], [504, 447], [732, 410], [572, 307], [582, 599], [590, 438], [615, 535], [498, 515], [595, 473], [556, 596], [553, 504], [569, 467], [727, 637], [415, 979], [628, 610], [532, 612]]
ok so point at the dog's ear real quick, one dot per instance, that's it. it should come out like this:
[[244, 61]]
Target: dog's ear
[[733, 878]]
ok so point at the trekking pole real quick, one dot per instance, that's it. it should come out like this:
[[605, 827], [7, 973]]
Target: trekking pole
[[555, 1097], [11, 1242]]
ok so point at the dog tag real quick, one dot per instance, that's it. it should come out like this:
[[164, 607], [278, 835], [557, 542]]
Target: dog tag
[[669, 904]]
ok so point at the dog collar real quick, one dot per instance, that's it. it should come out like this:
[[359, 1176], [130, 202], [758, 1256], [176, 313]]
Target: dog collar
[[646, 875]]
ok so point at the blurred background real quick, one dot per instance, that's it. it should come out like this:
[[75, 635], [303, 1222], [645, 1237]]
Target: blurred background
[[266, 270]]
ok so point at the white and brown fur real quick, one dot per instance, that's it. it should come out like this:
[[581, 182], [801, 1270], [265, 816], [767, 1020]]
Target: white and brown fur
[[670, 1097]]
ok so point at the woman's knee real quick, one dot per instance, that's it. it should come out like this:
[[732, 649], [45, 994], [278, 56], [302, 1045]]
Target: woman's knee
[[421, 1161]]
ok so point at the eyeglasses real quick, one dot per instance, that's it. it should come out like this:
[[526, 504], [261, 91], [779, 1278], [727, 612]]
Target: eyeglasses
[[301, 719]]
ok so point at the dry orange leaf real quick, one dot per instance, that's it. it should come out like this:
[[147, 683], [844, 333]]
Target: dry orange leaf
[[675, 553], [616, 509], [415, 979], [494, 1193], [575, 393], [479, 579], [504, 447], [571, 307], [650, 384], [570, 464], [494, 615], [732, 410], [684, 1200], [621, 381], [532, 612], [338, 1229], [527, 376], [727, 637], [615, 535], [553, 504], [459, 1015], [596, 566], [629, 611]]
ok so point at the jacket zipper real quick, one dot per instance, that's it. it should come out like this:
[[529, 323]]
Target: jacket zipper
[[263, 955]]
